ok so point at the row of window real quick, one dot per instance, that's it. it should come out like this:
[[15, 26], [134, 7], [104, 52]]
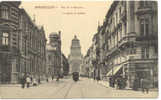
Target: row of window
[[144, 31], [145, 54], [5, 13], [145, 3], [5, 41], [114, 39]]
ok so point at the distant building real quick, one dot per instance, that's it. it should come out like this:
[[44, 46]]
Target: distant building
[[65, 65], [53, 55], [87, 66], [75, 56]]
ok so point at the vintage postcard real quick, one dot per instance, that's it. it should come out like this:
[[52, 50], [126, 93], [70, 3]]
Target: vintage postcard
[[78, 49]]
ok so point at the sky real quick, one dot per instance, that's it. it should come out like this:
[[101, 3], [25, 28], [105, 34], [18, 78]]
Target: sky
[[78, 18]]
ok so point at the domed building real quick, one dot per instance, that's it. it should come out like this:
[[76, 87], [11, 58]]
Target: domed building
[[75, 56], [53, 54]]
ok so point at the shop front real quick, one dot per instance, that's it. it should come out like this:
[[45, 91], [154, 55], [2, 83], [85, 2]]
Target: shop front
[[138, 71]]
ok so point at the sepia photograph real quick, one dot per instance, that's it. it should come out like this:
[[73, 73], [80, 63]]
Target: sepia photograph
[[79, 49]]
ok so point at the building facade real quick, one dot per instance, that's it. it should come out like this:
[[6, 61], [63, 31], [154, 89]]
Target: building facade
[[65, 65], [54, 54], [126, 44], [85, 66], [75, 57], [9, 51], [32, 45], [132, 41], [22, 44]]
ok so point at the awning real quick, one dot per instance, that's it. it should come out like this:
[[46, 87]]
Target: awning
[[114, 70]]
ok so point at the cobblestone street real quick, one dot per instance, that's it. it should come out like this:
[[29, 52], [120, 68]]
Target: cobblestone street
[[67, 88]]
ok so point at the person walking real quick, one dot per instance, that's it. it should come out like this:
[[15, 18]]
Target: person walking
[[39, 80], [145, 85], [28, 81], [136, 84], [47, 80], [58, 76], [23, 81], [118, 83], [34, 82], [52, 77]]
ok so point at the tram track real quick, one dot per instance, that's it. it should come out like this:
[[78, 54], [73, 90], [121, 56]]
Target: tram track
[[59, 89], [73, 86], [66, 94]]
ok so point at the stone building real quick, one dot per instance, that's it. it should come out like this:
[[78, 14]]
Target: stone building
[[22, 44], [32, 46], [131, 41], [54, 54], [85, 66], [9, 49], [75, 56], [126, 44], [65, 65]]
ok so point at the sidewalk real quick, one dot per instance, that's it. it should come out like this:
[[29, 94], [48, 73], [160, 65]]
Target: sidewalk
[[19, 85], [106, 84], [10, 85]]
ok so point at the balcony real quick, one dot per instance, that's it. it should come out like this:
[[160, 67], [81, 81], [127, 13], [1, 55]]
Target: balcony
[[109, 52], [131, 37], [147, 37], [4, 48], [144, 10]]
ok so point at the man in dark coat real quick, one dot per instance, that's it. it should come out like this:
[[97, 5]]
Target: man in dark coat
[[145, 85], [136, 84], [23, 81]]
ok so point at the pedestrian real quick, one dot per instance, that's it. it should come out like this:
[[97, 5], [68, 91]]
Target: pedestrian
[[117, 85], [145, 83], [34, 82], [113, 82], [58, 76], [28, 81], [31, 79], [52, 77], [23, 81], [98, 78], [39, 80], [124, 82], [47, 79], [136, 84]]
